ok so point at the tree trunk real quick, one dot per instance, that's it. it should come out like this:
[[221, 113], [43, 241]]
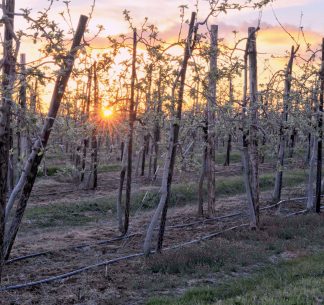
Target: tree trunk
[[84, 158], [132, 116], [94, 160], [202, 175], [156, 129], [311, 175], [320, 139], [85, 118], [33, 101], [11, 169], [253, 132], [228, 150], [94, 140], [146, 145], [8, 77], [276, 196], [23, 140], [211, 109], [172, 148], [27, 179], [245, 133], [120, 190], [313, 150]]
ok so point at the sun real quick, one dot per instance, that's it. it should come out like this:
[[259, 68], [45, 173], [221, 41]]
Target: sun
[[107, 112]]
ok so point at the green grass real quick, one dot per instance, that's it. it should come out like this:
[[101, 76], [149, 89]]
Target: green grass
[[108, 168], [223, 255], [299, 281], [94, 209], [54, 170], [235, 185], [72, 214], [234, 158], [50, 171]]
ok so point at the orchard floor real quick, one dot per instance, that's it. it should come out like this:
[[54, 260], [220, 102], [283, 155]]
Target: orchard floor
[[61, 216]]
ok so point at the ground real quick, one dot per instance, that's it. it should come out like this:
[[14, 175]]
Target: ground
[[232, 268]]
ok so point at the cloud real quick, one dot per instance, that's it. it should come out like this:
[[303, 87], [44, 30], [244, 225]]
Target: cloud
[[278, 4]]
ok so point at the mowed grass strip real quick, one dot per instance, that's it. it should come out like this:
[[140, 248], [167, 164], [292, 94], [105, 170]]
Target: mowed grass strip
[[298, 282], [95, 209], [265, 267]]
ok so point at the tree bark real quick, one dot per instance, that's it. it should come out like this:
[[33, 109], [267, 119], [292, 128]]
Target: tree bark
[[228, 150], [202, 175], [85, 118], [132, 116], [276, 196], [313, 150], [146, 145], [29, 174], [311, 175], [172, 148], [156, 129], [23, 139], [320, 138], [122, 175], [253, 132], [8, 77], [211, 109], [245, 133], [94, 140]]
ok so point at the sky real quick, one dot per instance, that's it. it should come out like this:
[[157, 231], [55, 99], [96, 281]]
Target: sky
[[165, 14]]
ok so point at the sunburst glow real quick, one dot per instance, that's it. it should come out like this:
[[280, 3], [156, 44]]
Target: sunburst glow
[[107, 113]]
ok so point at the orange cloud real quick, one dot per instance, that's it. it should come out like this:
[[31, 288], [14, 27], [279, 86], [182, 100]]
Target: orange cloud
[[276, 36]]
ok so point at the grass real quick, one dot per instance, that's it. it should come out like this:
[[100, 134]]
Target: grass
[[245, 254], [223, 255], [234, 158], [298, 282], [94, 209], [235, 185], [50, 171], [102, 168], [54, 170]]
